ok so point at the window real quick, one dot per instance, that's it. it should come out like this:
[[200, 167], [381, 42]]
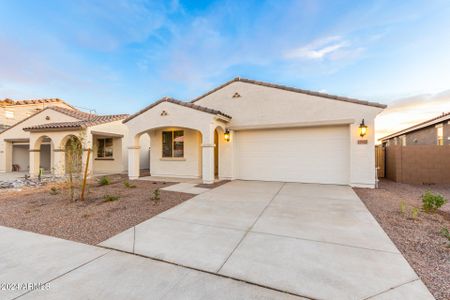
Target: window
[[105, 148], [173, 143], [440, 136], [9, 114]]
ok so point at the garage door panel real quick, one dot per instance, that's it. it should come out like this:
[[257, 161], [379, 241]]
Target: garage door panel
[[319, 155]]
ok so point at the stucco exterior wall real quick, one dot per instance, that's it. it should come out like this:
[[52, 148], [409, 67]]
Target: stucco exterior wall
[[189, 166], [119, 163], [264, 106], [16, 132], [108, 165], [170, 115], [23, 111]]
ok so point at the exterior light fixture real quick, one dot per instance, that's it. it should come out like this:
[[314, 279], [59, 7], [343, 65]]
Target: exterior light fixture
[[226, 135], [362, 129]]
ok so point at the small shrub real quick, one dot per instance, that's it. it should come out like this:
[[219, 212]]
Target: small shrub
[[54, 191], [156, 196], [432, 202], [129, 185], [445, 233], [104, 180], [110, 198], [415, 212], [403, 207]]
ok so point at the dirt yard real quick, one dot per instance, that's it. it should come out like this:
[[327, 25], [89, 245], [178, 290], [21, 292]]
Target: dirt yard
[[91, 221], [418, 238]]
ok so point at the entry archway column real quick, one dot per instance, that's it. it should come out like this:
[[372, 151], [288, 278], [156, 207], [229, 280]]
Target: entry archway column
[[34, 162], [133, 162], [208, 155]]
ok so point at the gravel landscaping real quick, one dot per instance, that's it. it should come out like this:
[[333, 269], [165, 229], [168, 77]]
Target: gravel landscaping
[[417, 237], [91, 221]]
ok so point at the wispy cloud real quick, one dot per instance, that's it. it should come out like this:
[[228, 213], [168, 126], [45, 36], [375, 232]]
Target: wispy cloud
[[318, 49], [406, 112]]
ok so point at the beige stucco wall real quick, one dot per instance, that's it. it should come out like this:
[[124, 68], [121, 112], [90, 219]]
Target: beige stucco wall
[[176, 116], [261, 106], [189, 166], [17, 132], [58, 140], [119, 163], [24, 111]]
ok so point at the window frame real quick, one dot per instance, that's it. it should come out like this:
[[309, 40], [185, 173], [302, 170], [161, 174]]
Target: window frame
[[104, 152], [172, 144]]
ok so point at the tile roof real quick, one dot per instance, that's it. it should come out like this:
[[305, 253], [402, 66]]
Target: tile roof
[[441, 118], [292, 89], [178, 102], [83, 123], [10, 102], [85, 119]]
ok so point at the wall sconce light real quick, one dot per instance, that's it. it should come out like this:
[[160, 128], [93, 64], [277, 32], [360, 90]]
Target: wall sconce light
[[226, 135], [362, 129]]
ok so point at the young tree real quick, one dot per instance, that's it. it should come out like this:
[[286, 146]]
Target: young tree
[[73, 165]]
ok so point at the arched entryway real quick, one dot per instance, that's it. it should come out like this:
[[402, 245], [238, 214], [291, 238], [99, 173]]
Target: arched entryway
[[73, 155]]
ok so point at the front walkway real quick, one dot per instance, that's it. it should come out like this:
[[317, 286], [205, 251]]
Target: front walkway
[[70, 270], [316, 241]]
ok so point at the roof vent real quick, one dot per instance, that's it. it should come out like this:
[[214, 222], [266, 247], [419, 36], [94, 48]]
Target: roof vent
[[236, 95]]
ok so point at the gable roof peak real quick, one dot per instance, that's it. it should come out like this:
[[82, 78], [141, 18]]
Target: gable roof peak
[[292, 89]]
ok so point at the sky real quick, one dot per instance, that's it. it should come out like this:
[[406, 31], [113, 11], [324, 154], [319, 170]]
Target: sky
[[119, 56]]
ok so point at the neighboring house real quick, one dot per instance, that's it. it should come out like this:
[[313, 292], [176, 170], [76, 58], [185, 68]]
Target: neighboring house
[[251, 130], [13, 111], [39, 141], [419, 154], [435, 131]]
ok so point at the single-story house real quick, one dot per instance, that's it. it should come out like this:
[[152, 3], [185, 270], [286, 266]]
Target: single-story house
[[39, 142], [419, 154], [252, 130]]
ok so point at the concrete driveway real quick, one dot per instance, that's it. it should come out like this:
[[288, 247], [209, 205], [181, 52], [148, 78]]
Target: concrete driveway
[[315, 241]]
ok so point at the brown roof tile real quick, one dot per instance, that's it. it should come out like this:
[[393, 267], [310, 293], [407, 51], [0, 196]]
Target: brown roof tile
[[292, 89], [92, 121], [178, 102], [10, 102]]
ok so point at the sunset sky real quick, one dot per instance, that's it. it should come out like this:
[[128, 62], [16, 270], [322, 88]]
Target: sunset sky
[[118, 56]]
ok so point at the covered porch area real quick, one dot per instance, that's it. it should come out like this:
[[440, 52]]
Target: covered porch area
[[61, 152], [186, 141]]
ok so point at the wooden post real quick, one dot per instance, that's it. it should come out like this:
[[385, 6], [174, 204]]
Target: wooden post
[[85, 174]]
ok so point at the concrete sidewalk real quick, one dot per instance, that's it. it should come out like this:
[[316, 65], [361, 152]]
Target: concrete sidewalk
[[76, 271], [315, 241]]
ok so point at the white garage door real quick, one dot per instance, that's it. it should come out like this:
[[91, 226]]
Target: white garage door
[[313, 155]]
